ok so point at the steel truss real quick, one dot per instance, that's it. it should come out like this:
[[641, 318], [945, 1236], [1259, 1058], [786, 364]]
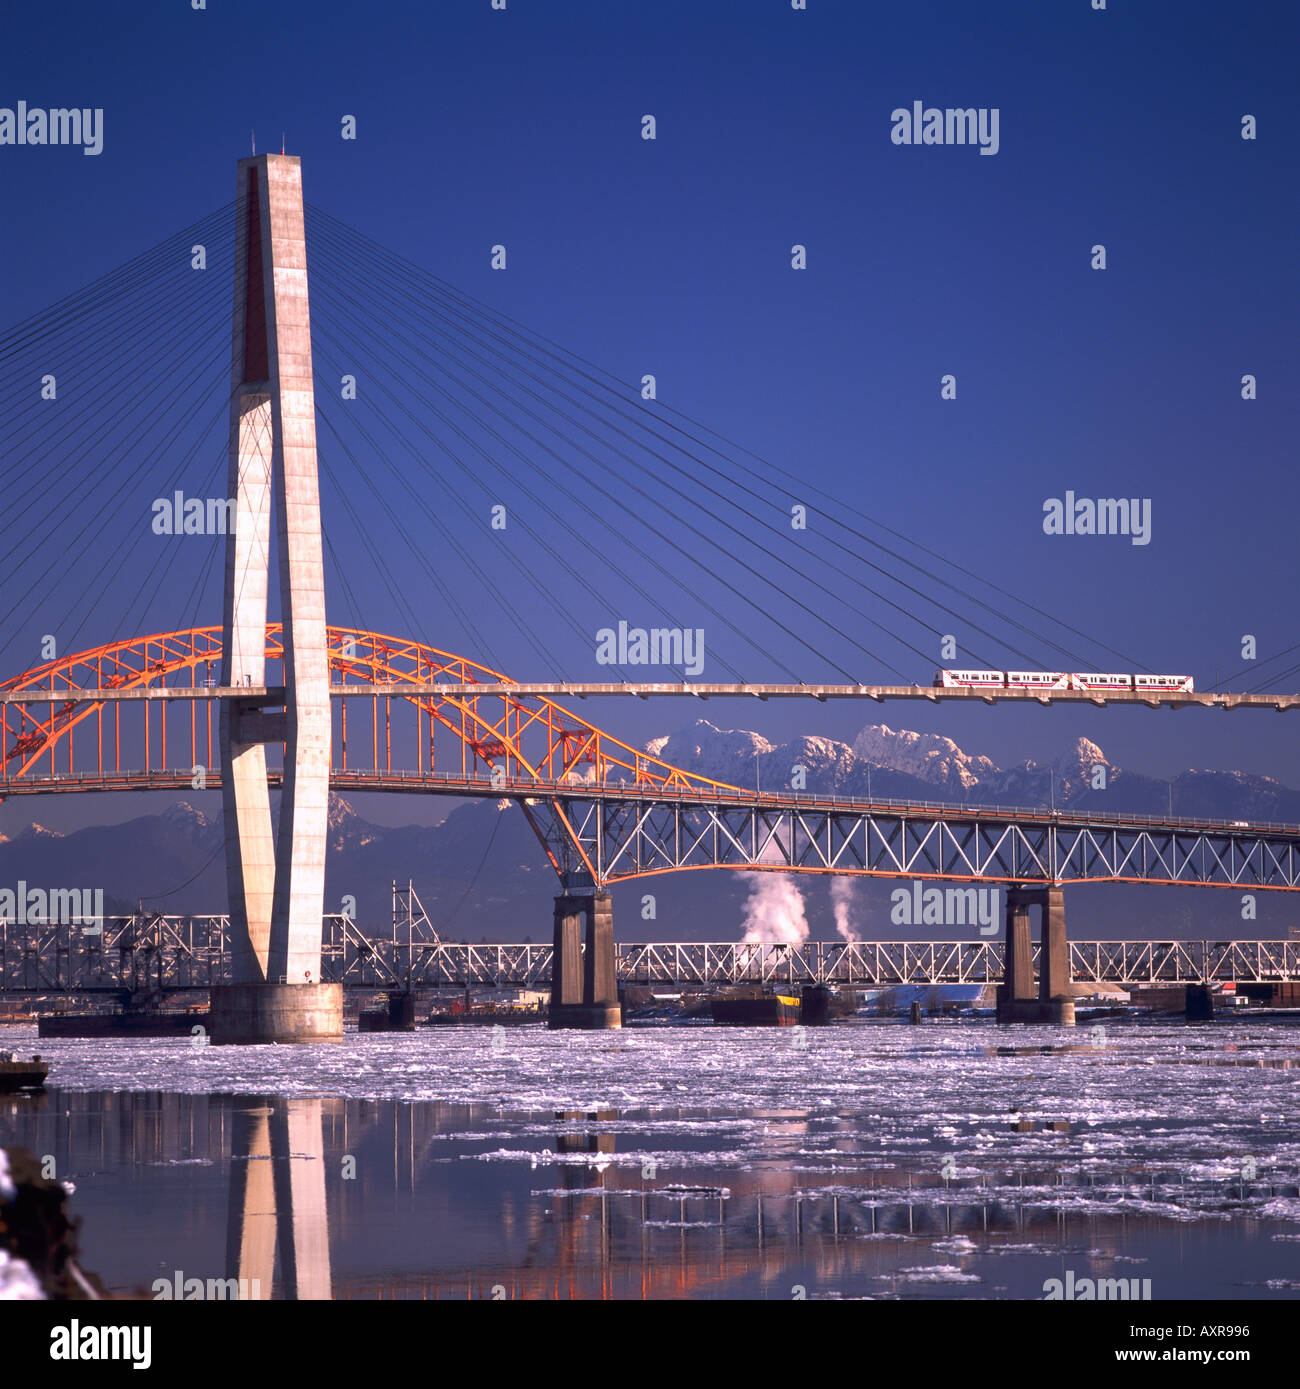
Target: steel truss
[[885, 963], [146, 954], [617, 837]]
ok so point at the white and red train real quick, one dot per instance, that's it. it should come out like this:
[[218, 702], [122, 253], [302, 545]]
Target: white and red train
[[1048, 680]]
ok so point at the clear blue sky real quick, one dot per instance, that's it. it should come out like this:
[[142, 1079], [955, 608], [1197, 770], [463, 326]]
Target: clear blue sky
[[523, 128]]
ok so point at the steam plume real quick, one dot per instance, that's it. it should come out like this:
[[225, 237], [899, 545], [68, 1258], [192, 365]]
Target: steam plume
[[843, 895]]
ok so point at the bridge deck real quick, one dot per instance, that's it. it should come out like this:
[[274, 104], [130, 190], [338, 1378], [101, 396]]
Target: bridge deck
[[364, 779], [179, 778], [274, 694]]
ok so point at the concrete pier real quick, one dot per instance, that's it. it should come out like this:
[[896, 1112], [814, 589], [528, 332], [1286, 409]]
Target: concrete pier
[[1017, 1000], [584, 990], [253, 1013]]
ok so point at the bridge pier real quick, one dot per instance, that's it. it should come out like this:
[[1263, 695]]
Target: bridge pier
[[584, 990], [815, 1005], [265, 1013], [1017, 1001], [1199, 1005]]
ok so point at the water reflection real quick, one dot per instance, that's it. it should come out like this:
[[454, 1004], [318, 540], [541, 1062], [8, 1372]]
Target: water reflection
[[277, 1200], [326, 1197], [567, 1142]]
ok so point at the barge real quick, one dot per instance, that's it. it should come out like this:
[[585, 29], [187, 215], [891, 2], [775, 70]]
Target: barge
[[765, 1010], [21, 1075], [144, 1023]]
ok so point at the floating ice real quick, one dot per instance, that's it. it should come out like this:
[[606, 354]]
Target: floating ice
[[17, 1281]]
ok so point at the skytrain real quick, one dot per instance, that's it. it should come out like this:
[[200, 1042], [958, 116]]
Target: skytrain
[[1049, 680]]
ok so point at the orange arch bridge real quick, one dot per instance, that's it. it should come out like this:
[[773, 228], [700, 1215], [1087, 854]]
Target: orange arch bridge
[[144, 714]]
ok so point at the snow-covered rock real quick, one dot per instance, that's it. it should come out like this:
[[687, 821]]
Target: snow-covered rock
[[929, 756]]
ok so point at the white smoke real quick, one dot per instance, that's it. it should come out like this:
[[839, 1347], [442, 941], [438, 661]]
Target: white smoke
[[844, 893], [774, 911]]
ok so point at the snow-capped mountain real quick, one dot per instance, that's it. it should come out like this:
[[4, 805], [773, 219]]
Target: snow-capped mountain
[[713, 752], [35, 831], [199, 828], [900, 764], [880, 760], [929, 756]]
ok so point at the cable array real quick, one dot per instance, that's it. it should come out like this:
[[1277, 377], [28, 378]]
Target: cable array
[[617, 506], [544, 423], [117, 390]]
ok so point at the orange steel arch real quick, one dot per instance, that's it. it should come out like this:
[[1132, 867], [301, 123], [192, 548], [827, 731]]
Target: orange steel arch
[[526, 737]]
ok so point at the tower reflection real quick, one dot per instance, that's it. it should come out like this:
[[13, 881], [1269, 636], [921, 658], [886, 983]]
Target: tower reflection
[[277, 1200]]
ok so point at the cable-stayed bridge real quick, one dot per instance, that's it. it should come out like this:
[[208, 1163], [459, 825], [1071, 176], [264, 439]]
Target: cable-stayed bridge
[[465, 408]]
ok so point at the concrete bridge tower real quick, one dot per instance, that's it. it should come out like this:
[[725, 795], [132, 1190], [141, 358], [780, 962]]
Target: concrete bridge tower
[[276, 882]]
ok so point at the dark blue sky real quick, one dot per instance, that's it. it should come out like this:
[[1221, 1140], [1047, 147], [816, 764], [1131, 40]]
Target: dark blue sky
[[673, 257]]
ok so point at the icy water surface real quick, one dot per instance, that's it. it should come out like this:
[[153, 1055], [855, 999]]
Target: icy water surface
[[856, 1160]]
